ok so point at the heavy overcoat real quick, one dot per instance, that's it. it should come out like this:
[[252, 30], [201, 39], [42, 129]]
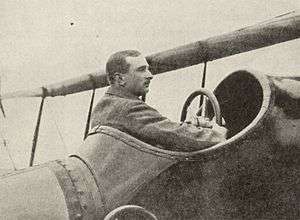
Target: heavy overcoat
[[126, 112]]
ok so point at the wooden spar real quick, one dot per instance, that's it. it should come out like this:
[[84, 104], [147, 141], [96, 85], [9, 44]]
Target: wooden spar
[[277, 30], [75, 85], [243, 40]]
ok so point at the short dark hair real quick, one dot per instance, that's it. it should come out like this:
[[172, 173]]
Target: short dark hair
[[117, 63]]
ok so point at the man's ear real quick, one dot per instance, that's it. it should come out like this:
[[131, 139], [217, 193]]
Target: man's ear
[[119, 78]]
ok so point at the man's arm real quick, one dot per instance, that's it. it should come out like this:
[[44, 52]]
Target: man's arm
[[149, 125]]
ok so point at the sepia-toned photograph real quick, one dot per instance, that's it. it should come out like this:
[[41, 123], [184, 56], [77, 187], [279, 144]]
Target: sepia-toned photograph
[[149, 110]]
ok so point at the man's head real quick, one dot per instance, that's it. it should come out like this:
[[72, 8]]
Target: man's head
[[130, 70]]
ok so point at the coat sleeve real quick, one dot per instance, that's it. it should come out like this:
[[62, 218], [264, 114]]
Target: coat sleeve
[[147, 124]]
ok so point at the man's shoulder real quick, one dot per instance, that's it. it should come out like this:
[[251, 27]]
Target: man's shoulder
[[109, 101], [109, 109]]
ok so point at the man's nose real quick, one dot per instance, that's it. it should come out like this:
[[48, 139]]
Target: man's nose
[[149, 75]]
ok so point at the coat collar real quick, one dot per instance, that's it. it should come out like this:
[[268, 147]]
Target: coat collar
[[120, 92]]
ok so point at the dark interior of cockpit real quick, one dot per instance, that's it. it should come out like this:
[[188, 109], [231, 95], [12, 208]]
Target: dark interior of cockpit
[[240, 96]]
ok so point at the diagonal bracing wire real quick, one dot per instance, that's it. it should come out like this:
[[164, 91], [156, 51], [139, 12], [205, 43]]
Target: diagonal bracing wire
[[4, 142], [1, 105], [58, 130]]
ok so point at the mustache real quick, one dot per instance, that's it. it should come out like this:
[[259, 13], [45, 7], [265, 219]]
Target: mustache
[[147, 82]]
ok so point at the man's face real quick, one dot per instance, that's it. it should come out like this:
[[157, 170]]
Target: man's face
[[138, 78]]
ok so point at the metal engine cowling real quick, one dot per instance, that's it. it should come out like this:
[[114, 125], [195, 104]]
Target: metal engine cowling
[[109, 169]]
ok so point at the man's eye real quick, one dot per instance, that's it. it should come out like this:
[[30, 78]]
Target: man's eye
[[142, 69]]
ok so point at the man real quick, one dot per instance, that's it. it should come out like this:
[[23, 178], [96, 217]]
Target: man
[[121, 108]]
